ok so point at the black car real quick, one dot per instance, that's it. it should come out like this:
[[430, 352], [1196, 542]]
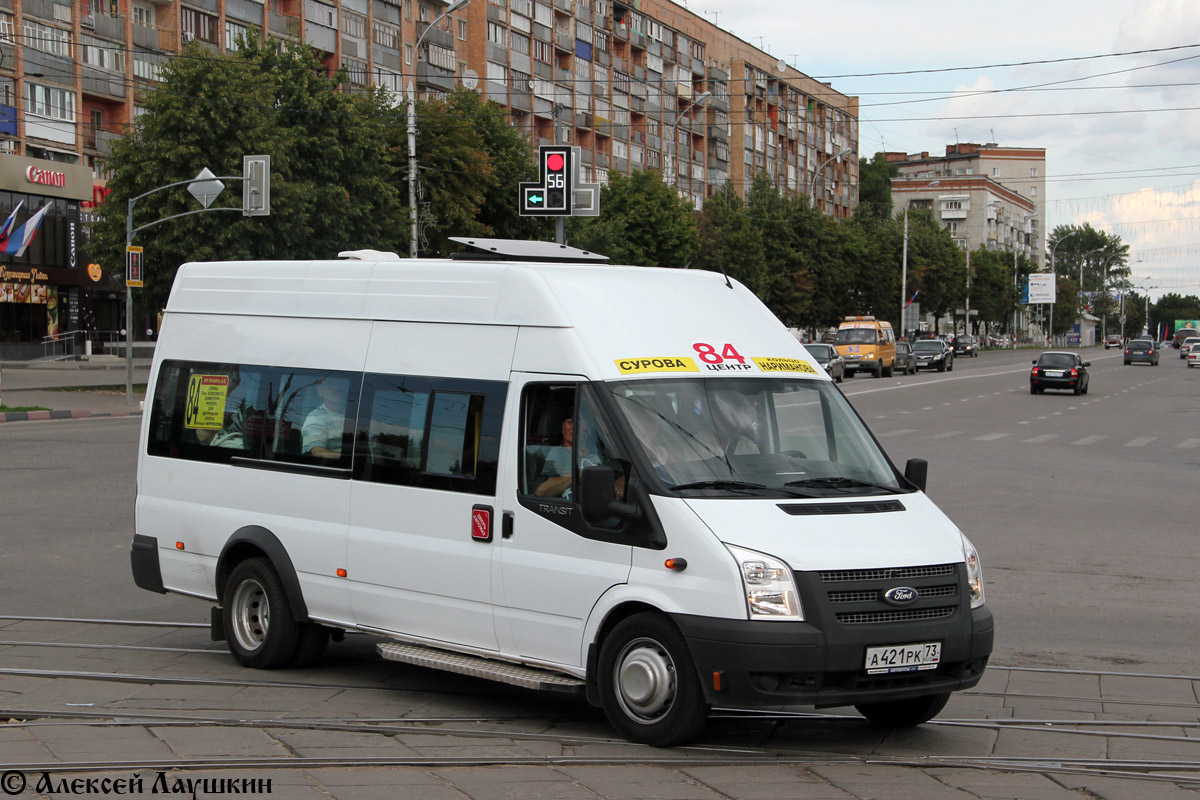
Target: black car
[[934, 354], [966, 346], [1059, 370], [827, 356], [906, 359]]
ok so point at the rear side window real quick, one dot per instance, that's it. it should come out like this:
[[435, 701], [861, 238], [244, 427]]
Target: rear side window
[[206, 411], [434, 433]]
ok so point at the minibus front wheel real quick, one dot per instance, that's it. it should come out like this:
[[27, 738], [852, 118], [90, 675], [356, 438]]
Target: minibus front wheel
[[904, 713], [648, 684], [259, 626]]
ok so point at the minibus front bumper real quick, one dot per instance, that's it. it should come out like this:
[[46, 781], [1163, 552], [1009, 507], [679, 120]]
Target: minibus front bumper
[[143, 559], [744, 664]]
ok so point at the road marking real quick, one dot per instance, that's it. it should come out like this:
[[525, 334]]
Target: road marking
[[1045, 437], [989, 437], [899, 432], [1141, 441], [1188, 443], [946, 434], [1090, 440], [1024, 422]]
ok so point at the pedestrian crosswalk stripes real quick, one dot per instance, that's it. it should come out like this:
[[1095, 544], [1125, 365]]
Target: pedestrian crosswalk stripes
[[1045, 437], [1141, 441], [1085, 441]]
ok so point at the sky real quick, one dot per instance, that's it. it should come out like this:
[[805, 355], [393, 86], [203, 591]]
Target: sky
[[1121, 132]]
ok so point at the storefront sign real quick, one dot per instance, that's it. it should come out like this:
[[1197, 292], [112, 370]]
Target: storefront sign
[[22, 286], [45, 177]]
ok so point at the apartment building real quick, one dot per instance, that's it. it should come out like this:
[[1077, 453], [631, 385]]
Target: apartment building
[[985, 195], [636, 85], [647, 84]]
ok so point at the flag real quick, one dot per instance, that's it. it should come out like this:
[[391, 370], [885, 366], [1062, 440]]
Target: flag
[[8, 223], [16, 243], [912, 299]]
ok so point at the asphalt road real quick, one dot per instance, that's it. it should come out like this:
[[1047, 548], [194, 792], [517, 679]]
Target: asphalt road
[[1081, 506]]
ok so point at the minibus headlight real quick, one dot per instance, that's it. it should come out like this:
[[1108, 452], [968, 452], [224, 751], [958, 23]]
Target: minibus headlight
[[974, 573], [768, 586]]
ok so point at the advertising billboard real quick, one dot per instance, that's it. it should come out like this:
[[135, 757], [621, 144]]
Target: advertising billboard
[[1042, 287]]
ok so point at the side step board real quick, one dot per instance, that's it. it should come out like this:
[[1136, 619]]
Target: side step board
[[486, 668]]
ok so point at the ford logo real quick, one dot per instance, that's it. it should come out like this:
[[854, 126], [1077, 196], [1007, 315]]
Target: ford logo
[[900, 596]]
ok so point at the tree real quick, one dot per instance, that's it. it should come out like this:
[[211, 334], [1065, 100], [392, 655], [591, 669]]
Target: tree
[[787, 287], [936, 265], [875, 187], [1174, 306], [508, 152], [334, 176], [730, 242], [642, 221]]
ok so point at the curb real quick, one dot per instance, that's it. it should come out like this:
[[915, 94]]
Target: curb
[[41, 416]]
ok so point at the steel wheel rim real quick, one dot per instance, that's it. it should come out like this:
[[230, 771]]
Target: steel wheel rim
[[251, 614], [644, 680]]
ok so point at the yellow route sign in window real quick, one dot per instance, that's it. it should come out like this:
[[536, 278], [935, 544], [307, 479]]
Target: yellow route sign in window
[[206, 402]]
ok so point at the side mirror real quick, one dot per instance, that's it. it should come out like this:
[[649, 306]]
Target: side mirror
[[1034, 361], [916, 472], [1087, 363], [597, 497]]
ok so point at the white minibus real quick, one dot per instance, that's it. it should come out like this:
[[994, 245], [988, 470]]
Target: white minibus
[[526, 464]]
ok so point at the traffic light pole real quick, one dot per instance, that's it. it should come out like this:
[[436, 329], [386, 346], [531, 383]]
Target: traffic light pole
[[560, 223]]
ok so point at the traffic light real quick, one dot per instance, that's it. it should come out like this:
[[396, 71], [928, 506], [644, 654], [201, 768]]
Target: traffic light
[[552, 195]]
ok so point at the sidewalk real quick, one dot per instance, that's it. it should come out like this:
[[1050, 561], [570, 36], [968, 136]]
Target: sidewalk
[[70, 389]]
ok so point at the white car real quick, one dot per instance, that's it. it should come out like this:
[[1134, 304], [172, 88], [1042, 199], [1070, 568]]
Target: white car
[[1193, 357], [1188, 345]]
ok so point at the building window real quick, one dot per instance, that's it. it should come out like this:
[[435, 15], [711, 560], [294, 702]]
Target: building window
[[356, 71], [101, 54], [354, 25], [520, 44], [543, 15], [386, 35], [1033, 172], [47, 39], [521, 23], [424, 13], [235, 35], [195, 25], [49, 102], [541, 51], [143, 15], [440, 57], [497, 72], [497, 34], [462, 30], [407, 53], [147, 66]]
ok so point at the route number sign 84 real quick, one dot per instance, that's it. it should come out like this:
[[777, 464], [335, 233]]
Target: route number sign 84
[[709, 355]]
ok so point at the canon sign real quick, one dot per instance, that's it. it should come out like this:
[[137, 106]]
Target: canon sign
[[45, 177]]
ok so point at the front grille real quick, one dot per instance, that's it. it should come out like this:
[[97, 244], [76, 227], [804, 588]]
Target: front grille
[[878, 507], [868, 596], [886, 574], [907, 615]]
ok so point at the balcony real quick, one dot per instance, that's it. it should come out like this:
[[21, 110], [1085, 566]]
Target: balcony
[[278, 24], [564, 42], [102, 82], [434, 77], [622, 32], [435, 35], [563, 5], [638, 40], [320, 37], [718, 132], [583, 120], [113, 27], [146, 37]]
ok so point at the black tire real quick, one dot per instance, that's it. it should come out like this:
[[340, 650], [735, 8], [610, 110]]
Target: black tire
[[648, 684], [1127, 363], [840, 378], [1087, 386], [259, 627], [310, 645], [904, 713], [1033, 390], [887, 371], [1077, 390], [942, 367]]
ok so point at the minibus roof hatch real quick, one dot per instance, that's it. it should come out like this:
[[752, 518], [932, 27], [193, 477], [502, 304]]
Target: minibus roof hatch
[[522, 250]]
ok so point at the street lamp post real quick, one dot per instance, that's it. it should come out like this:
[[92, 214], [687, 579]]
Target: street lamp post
[[412, 130], [1055, 274], [674, 141], [812, 184], [1104, 319], [1083, 261], [903, 260]]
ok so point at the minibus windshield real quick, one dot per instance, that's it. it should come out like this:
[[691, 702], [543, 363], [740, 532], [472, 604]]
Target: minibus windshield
[[855, 336], [759, 437]]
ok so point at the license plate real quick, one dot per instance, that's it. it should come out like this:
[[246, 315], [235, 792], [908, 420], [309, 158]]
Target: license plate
[[1054, 373], [903, 658]]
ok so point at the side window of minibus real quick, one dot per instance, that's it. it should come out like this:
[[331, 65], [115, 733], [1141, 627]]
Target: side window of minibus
[[205, 411], [432, 433], [310, 416], [548, 418]]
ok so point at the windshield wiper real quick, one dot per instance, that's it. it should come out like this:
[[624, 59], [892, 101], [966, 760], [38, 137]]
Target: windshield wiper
[[841, 482]]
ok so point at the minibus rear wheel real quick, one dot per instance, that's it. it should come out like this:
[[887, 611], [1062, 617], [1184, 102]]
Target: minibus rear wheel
[[905, 713], [648, 684], [259, 626]]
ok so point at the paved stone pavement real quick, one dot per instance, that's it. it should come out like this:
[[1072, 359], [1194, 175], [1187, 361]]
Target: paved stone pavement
[[70, 389], [90, 700]]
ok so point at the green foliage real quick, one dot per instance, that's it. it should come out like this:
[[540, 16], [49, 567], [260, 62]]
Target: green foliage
[[334, 176], [642, 221], [733, 242], [1173, 306], [936, 265], [875, 187]]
